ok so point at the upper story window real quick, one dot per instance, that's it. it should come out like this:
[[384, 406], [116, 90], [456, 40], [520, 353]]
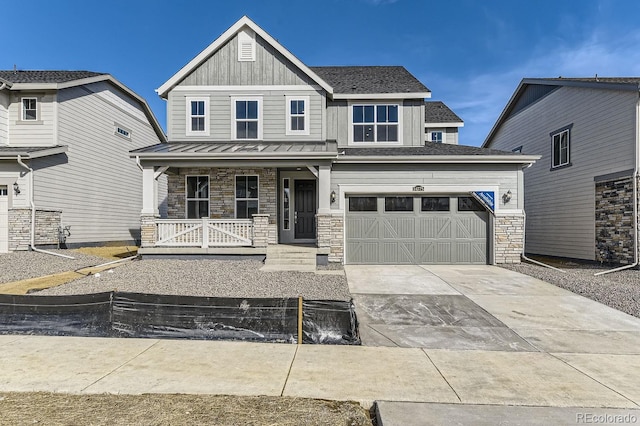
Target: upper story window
[[435, 137], [297, 115], [29, 109], [197, 197], [375, 123], [247, 118], [561, 147], [122, 131], [197, 117]]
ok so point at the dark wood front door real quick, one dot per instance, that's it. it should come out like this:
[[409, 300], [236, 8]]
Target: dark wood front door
[[305, 209]]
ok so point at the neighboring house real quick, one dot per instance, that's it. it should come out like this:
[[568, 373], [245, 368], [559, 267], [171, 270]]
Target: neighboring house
[[440, 123], [264, 149], [65, 138], [581, 196]]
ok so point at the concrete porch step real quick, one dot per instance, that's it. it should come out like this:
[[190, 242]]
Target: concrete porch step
[[290, 258]]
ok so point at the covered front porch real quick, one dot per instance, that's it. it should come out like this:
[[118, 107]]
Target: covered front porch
[[228, 198]]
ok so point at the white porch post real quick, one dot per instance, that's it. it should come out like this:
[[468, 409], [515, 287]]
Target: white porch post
[[324, 189], [149, 192]]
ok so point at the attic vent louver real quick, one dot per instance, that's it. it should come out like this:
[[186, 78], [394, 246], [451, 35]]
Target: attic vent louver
[[246, 46]]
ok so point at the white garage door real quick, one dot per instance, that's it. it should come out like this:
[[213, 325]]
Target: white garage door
[[4, 219], [416, 230]]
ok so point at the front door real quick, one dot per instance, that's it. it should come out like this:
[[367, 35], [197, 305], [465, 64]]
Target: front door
[[305, 209], [4, 219]]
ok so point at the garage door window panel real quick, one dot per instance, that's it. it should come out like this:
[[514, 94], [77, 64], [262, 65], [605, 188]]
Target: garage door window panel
[[398, 204], [469, 204], [435, 204], [363, 204]]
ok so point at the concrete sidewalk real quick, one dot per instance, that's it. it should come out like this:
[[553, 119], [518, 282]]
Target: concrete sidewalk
[[576, 356]]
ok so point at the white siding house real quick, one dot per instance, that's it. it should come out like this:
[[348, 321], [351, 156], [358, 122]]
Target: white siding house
[[579, 194], [64, 143]]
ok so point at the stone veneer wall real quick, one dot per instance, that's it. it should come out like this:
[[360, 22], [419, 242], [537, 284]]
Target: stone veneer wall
[[509, 238], [46, 230], [331, 235], [614, 221], [222, 192]]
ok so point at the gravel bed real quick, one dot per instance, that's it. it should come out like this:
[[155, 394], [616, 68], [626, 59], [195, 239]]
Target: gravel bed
[[619, 290], [21, 265], [216, 278]]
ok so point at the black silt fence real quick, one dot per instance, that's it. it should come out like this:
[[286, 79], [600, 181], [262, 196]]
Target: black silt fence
[[115, 314]]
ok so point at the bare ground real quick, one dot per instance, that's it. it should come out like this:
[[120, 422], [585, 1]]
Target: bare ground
[[175, 409]]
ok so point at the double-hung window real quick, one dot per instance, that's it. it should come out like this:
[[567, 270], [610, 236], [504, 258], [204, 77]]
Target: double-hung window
[[29, 109], [197, 197], [375, 123], [297, 115], [247, 114], [246, 196], [561, 147], [197, 117]]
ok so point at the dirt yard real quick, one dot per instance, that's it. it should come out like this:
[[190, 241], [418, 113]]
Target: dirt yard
[[63, 409]]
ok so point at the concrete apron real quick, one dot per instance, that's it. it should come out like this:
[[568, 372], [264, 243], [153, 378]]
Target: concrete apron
[[500, 337]]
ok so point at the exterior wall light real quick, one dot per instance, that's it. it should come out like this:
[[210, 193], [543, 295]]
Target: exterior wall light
[[333, 197], [506, 197], [16, 188]]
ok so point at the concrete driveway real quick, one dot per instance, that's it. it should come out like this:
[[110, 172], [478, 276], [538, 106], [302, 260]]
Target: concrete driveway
[[482, 308]]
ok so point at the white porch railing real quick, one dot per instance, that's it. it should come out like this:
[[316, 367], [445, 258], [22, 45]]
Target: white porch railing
[[204, 232]]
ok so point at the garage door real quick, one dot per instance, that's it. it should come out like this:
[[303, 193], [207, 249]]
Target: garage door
[[416, 230]]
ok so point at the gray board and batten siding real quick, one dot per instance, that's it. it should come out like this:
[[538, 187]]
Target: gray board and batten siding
[[560, 203], [223, 69], [95, 184]]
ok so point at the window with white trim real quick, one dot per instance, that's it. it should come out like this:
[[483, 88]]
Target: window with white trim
[[197, 194], [247, 118], [375, 123], [297, 115], [29, 109], [561, 147], [247, 197], [435, 137], [197, 117], [122, 131]]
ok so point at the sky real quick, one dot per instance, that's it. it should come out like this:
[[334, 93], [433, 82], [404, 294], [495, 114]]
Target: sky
[[471, 54]]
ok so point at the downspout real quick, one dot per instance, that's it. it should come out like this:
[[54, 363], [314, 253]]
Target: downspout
[[32, 245], [636, 175], [524, 233]]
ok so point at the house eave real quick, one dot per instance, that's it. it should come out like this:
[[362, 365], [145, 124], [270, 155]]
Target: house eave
[[26, 154], [440, 159], [453, 124]]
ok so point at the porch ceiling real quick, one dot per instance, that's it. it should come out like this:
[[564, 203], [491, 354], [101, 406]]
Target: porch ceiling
[[316, 150]]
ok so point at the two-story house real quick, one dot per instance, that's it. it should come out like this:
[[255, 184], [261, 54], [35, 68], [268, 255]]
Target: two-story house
[[582, 196], [263, 149], [65, 169]]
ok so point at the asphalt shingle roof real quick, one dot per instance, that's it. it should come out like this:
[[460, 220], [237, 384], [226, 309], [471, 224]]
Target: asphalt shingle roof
[[438, 112], [430, 148], [370, 79], [45, 76]]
